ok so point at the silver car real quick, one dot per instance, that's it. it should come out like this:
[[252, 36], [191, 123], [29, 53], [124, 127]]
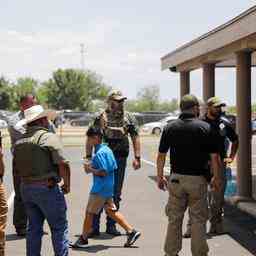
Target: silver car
[[157, 127], [3, 124]]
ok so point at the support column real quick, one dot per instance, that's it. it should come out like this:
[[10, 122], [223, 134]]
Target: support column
[[208, 81], [184, 83], [243, 123]]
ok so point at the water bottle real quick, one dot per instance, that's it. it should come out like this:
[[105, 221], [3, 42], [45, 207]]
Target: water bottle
[[231, 187]]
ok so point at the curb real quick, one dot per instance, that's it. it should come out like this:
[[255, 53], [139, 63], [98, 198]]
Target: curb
[[245, 205]]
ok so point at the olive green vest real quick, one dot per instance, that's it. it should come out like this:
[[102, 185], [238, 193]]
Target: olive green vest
[[31, 160]]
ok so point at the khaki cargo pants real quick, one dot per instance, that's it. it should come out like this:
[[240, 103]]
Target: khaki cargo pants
[[187, 191]]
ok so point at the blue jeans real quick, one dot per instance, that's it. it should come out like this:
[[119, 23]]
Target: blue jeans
[[43, 203], [118, 185]]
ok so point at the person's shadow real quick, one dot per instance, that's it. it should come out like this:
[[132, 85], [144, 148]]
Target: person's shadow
[[102, 236], [14, 237], [98, 248]]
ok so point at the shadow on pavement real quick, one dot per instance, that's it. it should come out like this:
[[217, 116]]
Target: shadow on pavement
[[14, 237], [241, 227], [103, 236], [100, 247]]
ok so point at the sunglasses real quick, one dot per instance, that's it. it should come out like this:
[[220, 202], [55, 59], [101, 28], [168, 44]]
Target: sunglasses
[[119, 101]]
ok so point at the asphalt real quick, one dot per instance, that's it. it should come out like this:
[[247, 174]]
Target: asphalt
[[143, 206]]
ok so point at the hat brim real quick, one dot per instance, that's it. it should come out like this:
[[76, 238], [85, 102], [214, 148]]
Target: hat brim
[[221, 104], [119, 98], [46, 113]]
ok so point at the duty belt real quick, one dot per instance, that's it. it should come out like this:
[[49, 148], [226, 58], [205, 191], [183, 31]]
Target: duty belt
[[50, 182]]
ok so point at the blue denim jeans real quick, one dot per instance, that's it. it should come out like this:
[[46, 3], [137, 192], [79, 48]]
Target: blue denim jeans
[[43, 203], [118, 185]]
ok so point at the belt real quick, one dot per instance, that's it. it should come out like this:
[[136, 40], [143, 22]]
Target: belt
[[193, 173], [50, 182]]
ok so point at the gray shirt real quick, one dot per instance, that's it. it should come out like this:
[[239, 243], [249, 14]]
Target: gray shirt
[[16, 133]]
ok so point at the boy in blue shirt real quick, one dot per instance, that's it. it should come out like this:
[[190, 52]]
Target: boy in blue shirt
[[102, 167]]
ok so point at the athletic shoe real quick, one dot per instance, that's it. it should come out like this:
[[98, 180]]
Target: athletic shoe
[[132, 237], [80, 243]]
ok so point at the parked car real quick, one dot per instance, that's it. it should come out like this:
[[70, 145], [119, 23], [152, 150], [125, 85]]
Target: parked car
[[70, 115], [3, 124], [150, 116], [83, 120], [157, 127]]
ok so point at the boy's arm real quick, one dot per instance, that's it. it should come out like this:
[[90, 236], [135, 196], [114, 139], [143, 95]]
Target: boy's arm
[[97, 172]]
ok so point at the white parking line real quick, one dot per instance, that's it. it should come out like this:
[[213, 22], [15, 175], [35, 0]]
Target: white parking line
[[11, 199], [166, 169], [148, 162]]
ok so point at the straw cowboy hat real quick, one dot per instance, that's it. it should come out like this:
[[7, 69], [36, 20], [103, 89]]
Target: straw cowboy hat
[[34, 113]]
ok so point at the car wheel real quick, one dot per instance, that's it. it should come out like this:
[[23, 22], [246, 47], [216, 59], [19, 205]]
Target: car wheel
[[73, 123], [156, 131]]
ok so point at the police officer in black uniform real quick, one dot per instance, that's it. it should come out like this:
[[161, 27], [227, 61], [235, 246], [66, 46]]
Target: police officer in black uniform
[[191, 142], [225, 132]]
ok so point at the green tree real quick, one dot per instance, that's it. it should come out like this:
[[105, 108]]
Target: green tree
[[5, 94], [74, 89], [168, 106], [22, 87], [149, 97]]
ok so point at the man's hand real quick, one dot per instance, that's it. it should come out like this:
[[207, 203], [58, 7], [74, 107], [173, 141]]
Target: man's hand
[[162, 183], [64, 172], [136, 164], [65, 188], [228, 160], [216, 184]]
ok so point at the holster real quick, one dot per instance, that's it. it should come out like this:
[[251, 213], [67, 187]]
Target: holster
[[208, 175]]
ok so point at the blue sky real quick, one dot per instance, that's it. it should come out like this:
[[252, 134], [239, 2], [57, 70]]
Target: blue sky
[[123, 40]]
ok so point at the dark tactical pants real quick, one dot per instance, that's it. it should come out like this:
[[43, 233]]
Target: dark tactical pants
[[19, 213], [118, 185], [215, 203]]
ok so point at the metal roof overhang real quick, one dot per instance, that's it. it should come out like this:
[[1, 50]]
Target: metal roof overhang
[[218, 46]]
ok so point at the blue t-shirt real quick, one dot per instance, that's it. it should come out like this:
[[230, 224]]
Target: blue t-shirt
[[104, 160]]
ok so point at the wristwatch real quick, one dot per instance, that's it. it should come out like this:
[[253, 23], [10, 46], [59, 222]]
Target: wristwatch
[[137, 158], [88, 157]]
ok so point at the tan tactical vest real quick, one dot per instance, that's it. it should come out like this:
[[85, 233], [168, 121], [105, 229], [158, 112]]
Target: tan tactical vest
[[32, 160], [114, 126]]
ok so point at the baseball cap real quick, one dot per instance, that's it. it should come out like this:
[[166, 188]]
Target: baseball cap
[[215, 102], [116, 95], [188, 101]]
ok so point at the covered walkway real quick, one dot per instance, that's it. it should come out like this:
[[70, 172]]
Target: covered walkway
[[232, 44]]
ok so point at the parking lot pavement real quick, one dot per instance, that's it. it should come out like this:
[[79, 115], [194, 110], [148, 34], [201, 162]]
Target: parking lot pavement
[[143, 205]]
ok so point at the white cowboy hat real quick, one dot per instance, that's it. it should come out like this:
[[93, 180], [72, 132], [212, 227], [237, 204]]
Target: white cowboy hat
[[34, 113]]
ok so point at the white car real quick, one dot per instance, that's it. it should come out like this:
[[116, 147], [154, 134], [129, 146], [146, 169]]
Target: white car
[[3, 124], [157, 127]]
